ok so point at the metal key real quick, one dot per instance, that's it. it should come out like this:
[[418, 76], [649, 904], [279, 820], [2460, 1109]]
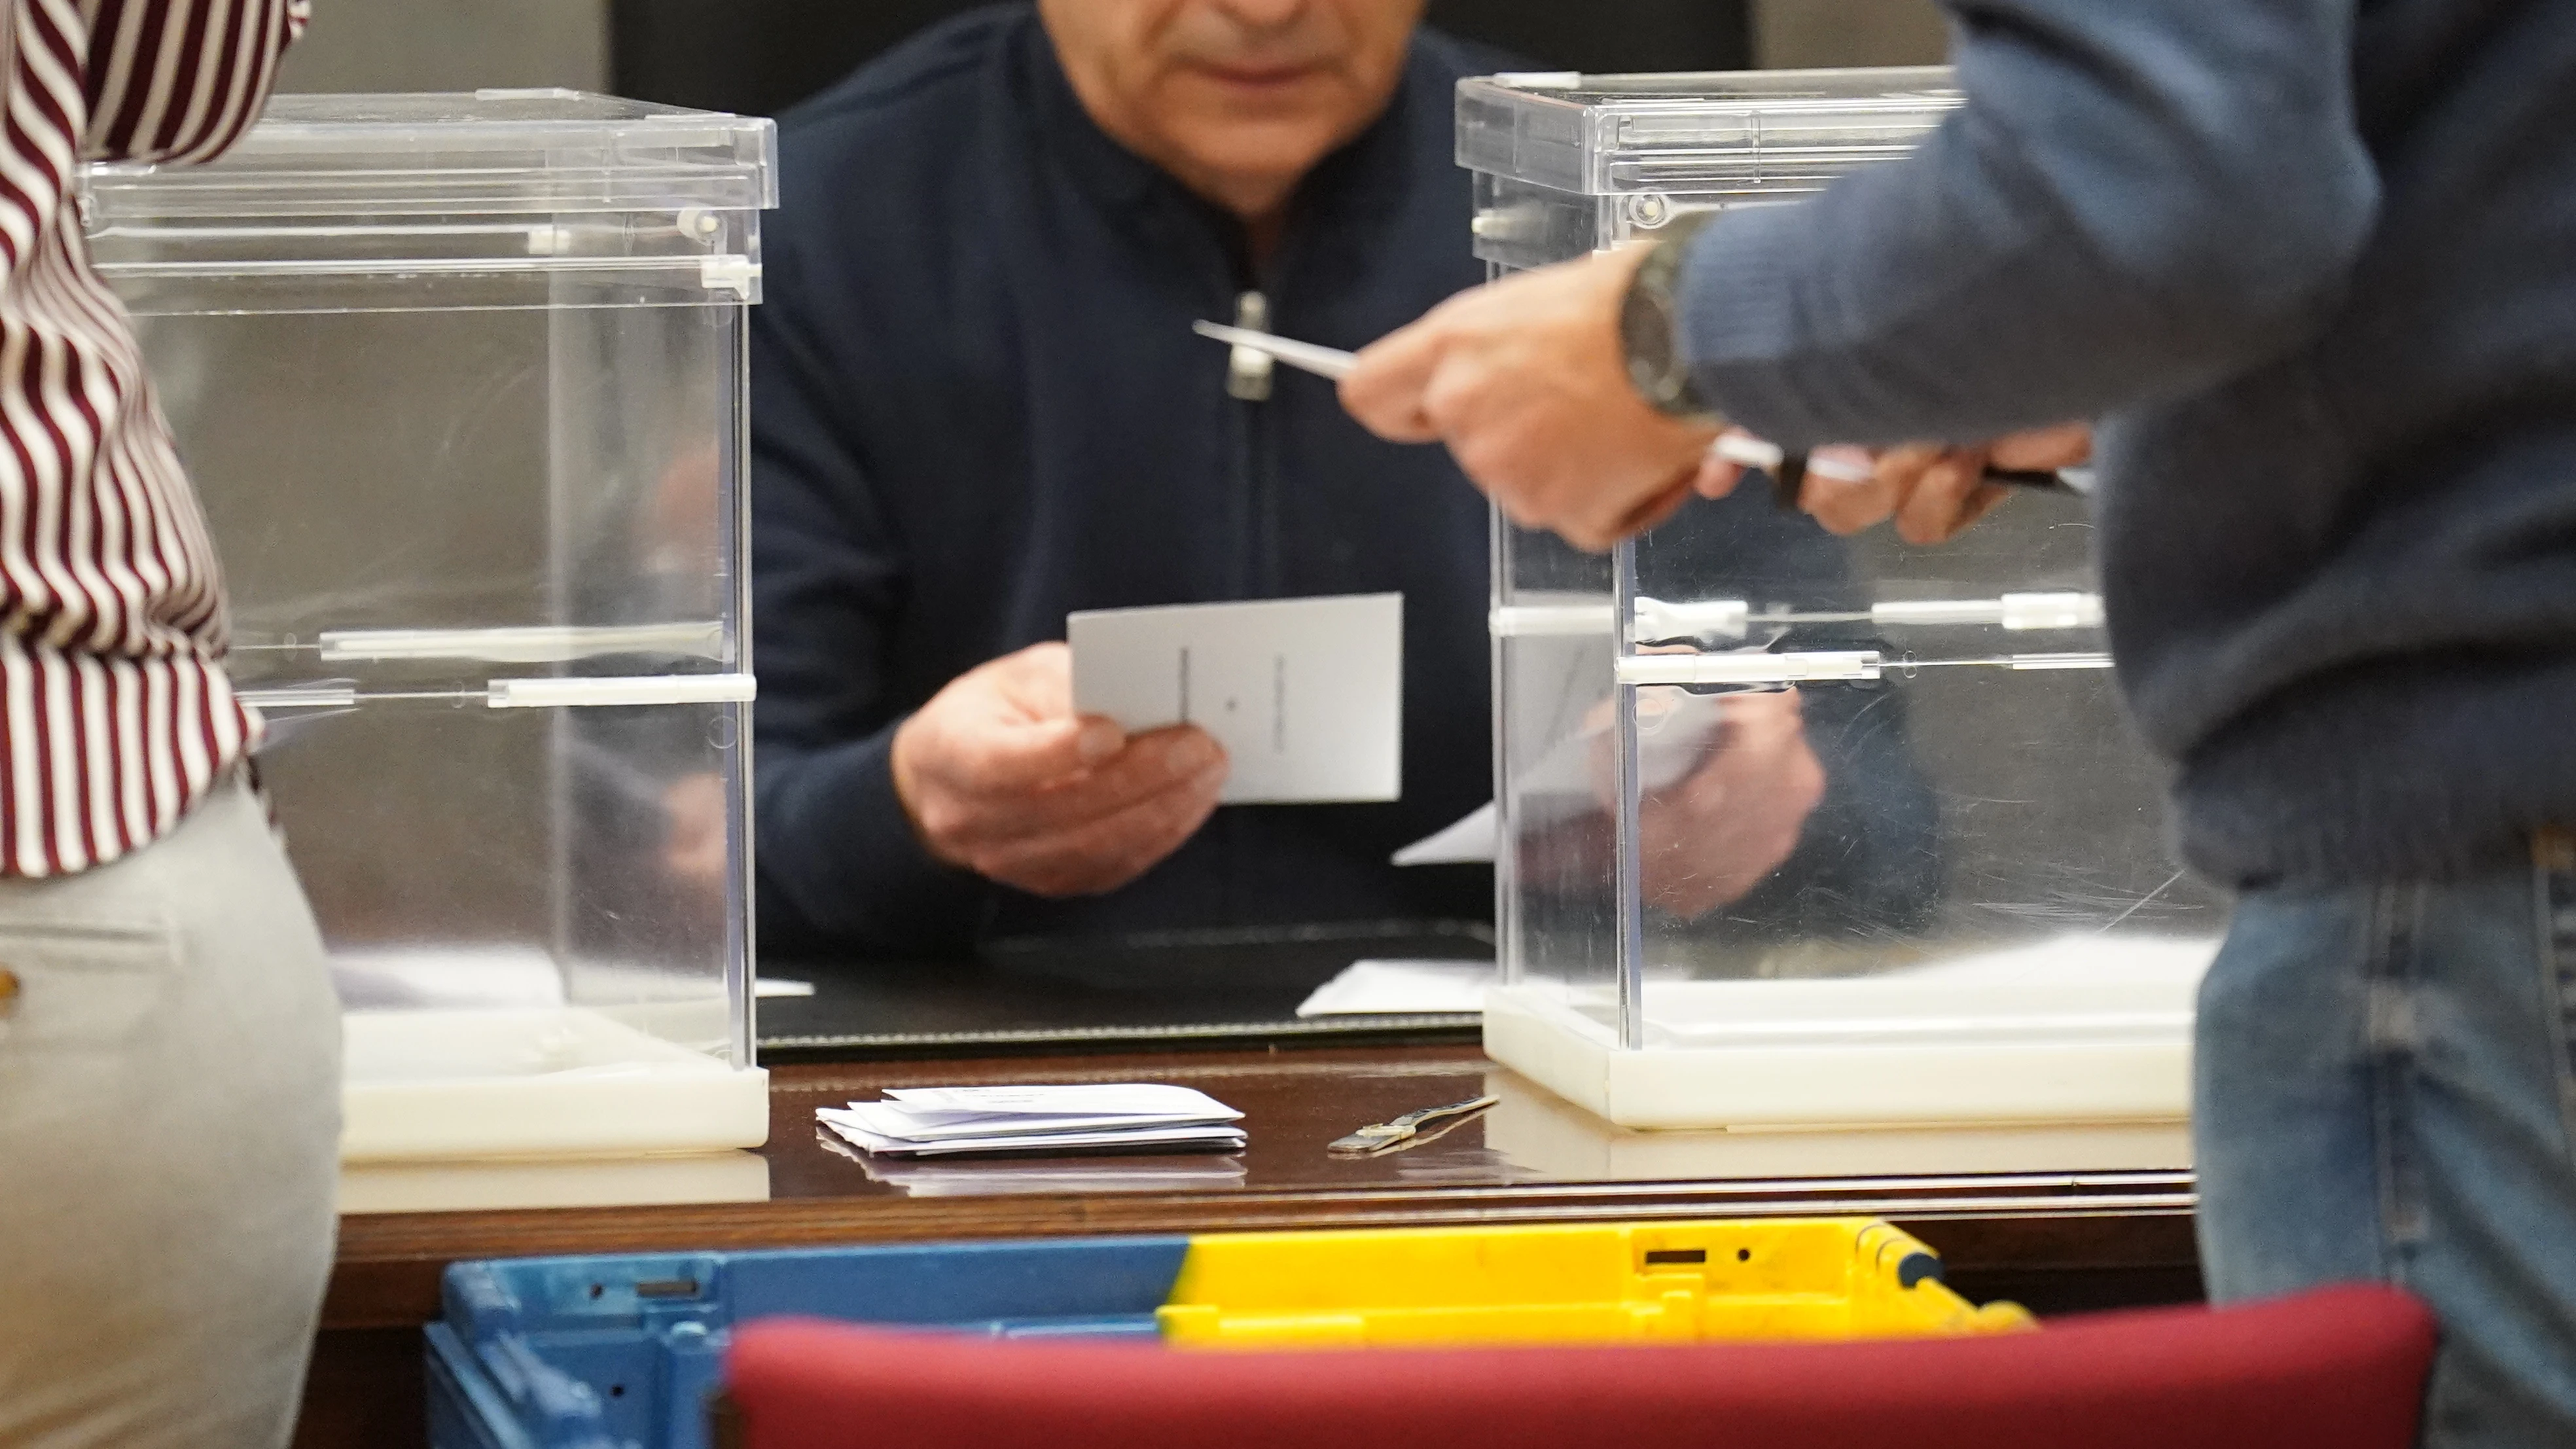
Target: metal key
[[1379, 1136]]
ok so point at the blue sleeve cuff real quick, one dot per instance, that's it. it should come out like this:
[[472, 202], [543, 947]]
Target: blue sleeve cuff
[[840, 863]]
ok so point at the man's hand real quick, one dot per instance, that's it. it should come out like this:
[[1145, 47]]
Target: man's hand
[[1526, 382], [1932, 490], [1002, 778], [1709, 840]]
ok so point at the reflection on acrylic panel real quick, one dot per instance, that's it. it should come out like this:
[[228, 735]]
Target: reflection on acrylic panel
[[459, 379], [1831, 830]]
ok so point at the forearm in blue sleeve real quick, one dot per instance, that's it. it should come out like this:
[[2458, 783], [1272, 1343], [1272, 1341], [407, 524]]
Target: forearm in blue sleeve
[[839, 860], [2135, 199]]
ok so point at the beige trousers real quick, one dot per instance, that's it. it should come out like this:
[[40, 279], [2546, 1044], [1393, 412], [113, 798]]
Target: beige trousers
[[169, 1124]]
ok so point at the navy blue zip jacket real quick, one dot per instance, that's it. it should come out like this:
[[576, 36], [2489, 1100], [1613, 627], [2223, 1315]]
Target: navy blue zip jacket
[[976, 405], [2316, 261]]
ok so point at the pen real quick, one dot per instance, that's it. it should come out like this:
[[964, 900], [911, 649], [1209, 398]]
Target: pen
[[1330, 362], [1788, 470]]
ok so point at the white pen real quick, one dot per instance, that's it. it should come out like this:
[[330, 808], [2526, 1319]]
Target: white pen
[[1330, 362]]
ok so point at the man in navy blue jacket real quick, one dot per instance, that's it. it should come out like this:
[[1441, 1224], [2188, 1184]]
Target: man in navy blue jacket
[[976, 406]]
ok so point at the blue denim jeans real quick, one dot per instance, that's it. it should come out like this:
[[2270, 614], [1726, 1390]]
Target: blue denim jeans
[[2384, 1091]]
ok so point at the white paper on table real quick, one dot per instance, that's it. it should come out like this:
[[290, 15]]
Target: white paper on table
[[1095, 1098], [1468, 842], [1170, 1138], [1306, 695], [889, 1119], [987, 1177], [1403, 988]]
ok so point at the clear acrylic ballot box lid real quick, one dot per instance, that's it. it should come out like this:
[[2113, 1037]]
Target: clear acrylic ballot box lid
[[1798, 830], [461, 381]]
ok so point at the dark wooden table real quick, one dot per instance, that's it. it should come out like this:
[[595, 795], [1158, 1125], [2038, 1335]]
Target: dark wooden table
[[2055, 1239]]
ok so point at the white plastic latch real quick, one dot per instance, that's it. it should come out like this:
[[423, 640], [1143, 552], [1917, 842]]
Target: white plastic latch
[[527, 644], [1748, 667], [302, 696], [2053, 611], [1696, 619], [2060, 661], [729, 272], [644, 689], [1918, 612], [1524, 621], [2013, 611]]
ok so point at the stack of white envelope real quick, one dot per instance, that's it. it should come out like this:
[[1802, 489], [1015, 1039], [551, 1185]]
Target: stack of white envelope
[[1091, 1117]]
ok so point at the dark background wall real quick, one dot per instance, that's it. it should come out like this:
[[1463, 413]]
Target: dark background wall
[[766, 55]]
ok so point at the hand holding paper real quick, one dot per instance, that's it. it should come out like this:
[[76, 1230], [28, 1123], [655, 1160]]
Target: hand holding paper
[[1001, 777]]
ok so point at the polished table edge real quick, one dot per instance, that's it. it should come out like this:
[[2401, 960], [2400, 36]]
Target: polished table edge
[[389, 1264], [1421, 1029]]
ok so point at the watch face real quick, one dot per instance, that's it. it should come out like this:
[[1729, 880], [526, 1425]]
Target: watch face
[[1646, 335]]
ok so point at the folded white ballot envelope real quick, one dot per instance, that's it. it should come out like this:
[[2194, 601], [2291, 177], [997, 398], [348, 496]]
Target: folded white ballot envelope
[[1306, 695], [1675, 731]]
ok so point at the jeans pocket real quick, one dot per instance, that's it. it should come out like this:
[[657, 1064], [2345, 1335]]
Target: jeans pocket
[[81, 985]]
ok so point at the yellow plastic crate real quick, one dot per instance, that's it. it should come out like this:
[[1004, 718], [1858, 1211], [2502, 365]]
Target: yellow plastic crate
[[1811, 1278]]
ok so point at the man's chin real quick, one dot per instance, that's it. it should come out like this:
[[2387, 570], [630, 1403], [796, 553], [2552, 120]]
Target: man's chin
[[1263, 145]]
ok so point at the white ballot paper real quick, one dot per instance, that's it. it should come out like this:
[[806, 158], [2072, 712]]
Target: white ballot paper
[[1306, 695], [941, 1121], [1404, 988]]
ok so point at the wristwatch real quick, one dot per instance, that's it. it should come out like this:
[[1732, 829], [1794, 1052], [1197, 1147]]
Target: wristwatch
[[1650, 325]]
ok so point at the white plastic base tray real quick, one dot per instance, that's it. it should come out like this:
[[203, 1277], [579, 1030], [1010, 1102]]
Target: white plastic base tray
[[2081, 1029], [549, 1182], [538, 1082]]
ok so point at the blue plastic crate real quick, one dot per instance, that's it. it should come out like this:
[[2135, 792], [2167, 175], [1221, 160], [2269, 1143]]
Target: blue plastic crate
[[620, 1352]]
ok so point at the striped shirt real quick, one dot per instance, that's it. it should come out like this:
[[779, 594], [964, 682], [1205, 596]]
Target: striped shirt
[[116, 715]]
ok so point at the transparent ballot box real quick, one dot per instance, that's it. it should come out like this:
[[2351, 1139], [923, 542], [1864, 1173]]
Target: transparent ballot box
[[461, 381], [1797, 830]]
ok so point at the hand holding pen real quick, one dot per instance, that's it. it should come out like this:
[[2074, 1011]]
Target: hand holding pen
[[1932, 491]]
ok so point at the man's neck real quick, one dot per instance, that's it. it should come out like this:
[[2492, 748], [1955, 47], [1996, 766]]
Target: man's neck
[[1261, 236]]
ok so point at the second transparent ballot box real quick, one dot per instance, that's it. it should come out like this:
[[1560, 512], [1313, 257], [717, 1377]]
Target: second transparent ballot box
[[460, 379], [1799, 830]]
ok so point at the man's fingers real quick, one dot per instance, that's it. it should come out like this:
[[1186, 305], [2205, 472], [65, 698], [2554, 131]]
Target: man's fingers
[[1942, 500], [1987, 498], [1384, 388], [1150, 764], [1106, 852], [1856, 492], [1759, 724], [999, 759], [2066, 445], [1036, 682], [1655, 510], [1717, 477]]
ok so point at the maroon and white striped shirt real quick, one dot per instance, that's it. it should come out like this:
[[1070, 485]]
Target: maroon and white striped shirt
[[116, 715]]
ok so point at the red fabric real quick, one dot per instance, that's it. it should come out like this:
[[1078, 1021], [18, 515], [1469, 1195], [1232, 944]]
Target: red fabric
[[2341, 1367]]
